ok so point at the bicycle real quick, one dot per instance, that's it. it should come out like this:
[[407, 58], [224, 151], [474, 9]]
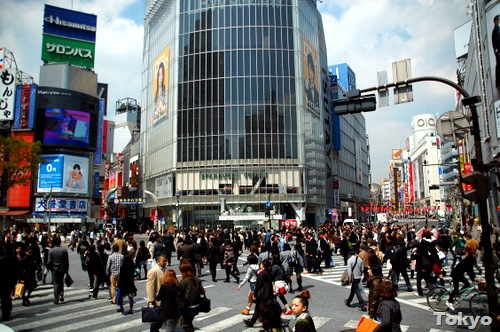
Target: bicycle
[[478, 299]]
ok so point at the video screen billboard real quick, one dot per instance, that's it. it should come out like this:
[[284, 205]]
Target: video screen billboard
[[66, 127], [64, 173], [65, 118]]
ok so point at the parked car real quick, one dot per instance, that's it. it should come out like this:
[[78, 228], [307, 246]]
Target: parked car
[[351, 222]]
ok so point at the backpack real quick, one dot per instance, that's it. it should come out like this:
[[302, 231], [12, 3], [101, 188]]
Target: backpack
[[460, 249], [426, 263]]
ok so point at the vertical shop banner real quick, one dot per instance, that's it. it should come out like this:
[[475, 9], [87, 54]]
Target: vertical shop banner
[[7, 93]]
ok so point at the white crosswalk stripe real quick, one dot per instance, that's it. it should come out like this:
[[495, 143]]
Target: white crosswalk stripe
[[333, 275], [80, 313]]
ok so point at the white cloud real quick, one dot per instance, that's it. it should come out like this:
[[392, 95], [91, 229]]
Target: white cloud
[[371, 34], [118, 59], [367, 34]]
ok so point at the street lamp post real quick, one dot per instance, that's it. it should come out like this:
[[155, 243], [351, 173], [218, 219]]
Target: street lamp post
[[479, 166], [155, 200], [177, 211], [48, 208]]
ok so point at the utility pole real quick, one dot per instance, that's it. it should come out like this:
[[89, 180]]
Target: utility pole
[[477, 163]]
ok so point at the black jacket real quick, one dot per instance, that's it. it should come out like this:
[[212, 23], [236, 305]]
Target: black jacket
[[168, 297], [264, 286]]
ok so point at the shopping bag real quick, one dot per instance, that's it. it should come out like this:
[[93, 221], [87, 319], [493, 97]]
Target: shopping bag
[[204, 304], [151, 314], [19, 290], [68, 280], [366, 324], [280, 287]]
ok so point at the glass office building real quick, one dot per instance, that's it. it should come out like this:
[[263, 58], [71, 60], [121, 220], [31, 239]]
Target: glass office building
[[236, 115]]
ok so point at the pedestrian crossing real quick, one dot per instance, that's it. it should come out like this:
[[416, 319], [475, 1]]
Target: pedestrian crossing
[[332, 275], [79, 313]]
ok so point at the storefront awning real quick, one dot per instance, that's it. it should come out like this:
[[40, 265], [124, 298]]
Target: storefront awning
[[13, 212]]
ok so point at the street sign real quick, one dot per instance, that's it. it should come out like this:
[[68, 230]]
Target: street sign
[[383, 94], [453, 125], [401, 72]]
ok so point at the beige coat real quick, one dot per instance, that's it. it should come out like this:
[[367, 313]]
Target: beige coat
[[153, 283]]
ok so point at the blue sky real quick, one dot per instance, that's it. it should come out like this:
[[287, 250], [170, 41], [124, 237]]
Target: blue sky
[[366, 34]]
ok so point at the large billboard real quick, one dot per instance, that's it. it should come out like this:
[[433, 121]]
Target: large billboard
[[160, 85], [65, 173], [311, 77], [68, 36], [66, 118]]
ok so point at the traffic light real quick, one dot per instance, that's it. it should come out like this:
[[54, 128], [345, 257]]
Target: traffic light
[[360, 104], [480, 186]]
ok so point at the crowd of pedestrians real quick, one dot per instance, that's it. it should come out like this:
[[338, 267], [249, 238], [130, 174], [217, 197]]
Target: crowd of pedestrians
[[273, 258]]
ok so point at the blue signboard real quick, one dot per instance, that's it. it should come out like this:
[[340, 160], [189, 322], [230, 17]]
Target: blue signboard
[[69, 23], [51, 172], [64, 173]]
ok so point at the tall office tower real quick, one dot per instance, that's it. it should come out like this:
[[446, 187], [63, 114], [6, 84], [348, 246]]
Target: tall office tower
[[235, 125]]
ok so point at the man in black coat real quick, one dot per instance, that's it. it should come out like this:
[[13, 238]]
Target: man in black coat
[[96, 268], [58, 263]]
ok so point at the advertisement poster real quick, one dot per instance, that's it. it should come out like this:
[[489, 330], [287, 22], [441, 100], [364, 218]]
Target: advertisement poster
[[64, 173], [311, 77], [160, 85]]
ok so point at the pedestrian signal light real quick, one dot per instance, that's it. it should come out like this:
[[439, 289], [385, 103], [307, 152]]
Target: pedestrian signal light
[[480, 186]]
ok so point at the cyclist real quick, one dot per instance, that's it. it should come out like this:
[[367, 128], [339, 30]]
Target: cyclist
[[458, 275]]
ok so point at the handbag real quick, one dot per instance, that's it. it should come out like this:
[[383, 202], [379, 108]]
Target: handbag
[[204, 304], [151, 314], [366, 324], [19, 290], [68, 280], [280, 287]]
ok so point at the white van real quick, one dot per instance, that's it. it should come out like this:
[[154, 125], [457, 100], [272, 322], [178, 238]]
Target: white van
[[351, 222]]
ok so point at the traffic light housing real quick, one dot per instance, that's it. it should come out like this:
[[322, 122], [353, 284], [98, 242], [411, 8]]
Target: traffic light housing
[[354, 105], [481, 186]]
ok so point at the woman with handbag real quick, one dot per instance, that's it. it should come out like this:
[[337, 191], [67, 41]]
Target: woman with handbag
[[280, 277], [167, 294], [192, 288], [389, 309]]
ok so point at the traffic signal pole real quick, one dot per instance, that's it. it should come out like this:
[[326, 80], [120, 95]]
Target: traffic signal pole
[[479, 166]]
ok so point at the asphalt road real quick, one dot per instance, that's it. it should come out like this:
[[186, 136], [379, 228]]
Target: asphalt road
[[79, 313]]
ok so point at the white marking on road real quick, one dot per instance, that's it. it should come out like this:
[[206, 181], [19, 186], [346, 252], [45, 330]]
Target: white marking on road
[[223, 324], [212, 313]]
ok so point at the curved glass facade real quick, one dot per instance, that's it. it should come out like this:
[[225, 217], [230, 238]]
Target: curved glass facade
[[236, 83], [235, 113]]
